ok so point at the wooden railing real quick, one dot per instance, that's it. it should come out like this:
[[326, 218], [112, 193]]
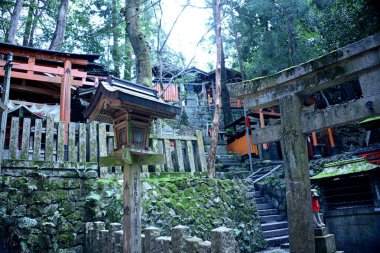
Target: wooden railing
[[182, 153], [234, 102], [40, 143]]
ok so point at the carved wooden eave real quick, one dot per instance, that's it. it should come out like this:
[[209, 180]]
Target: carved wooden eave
[[115, 96]]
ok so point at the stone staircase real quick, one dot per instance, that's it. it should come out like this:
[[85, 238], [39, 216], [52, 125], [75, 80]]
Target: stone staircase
[[273, 223]]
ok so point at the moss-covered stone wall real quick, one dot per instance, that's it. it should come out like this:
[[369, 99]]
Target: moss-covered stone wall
[[45, 210], [203, 204]]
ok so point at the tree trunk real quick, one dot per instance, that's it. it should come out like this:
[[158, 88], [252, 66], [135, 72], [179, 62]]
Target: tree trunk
[[227, 115], [237, 42], [116, 36], [215, 122], [14, 22], [60, 28], [28, 24], [138, 42]]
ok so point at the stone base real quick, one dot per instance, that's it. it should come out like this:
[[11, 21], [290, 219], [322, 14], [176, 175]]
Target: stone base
[[325, 244], [320, 231]]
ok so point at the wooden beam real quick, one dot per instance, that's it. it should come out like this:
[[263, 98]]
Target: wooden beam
[[334, 116], [30, 89]]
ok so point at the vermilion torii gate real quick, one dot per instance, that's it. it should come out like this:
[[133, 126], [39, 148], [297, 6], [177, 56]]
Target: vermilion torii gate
[[359, 62]]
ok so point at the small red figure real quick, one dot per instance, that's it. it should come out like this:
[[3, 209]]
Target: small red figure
[[316, 208]]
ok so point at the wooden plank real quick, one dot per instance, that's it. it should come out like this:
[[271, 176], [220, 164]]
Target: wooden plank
[[72, 149], [82, 142], [103, 145], [201, 150], [49, 140], [173, 137], [157, 167], [168, 156], [178, 149], [25, 139], [37, 139], [93, 142], [61, 142], [13, 141], [190, 153]]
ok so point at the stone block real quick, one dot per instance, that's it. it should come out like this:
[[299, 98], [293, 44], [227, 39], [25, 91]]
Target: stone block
[[151, 233], [103, 241], [179, 236], [320, 231], [223, 241], [325, 244], [204, 247], [192, 244], [119, 241], [163, 244], [113, 227]]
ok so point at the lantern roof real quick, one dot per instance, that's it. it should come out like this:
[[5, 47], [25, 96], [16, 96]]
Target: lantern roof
[[116, 95]]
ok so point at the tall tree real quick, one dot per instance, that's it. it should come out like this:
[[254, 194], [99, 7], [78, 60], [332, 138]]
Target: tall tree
[[60, 28], [28, 24], [116, 54], [218, 77], [14, 22], [139, 44]]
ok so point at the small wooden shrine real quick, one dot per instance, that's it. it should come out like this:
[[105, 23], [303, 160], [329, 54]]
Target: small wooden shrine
[[130, 108]]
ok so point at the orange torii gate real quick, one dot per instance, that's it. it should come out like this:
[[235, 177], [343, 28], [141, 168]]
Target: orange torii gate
[[357, 62]]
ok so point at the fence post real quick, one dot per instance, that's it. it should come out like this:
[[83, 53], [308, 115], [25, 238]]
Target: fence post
[[119, 241], [103, 241], [61, 142], [93, 142], [102, 147], [49, 140], [13, 141], [89, 237], [178, 148], [204, 247], [162, 244], [151, 233], [168, 156], [179, 236], [72, 149], [201, 150], [82, 142], [223, 240], [98, 225], [37, 139], [25, 139], [190, 152], [192, 244]]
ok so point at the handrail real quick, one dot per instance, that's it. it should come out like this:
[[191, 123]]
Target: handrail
[[267, 174]]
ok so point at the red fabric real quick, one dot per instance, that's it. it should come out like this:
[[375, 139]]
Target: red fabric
[[315, 205]]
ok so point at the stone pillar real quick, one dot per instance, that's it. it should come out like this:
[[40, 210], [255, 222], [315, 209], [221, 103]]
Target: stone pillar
[[98, 226], [179, 236], [89, 237], [151, 233], [223, 240], [142, 243], [132, 209], [103, 241], [369, 82], [162, 244], [119, 241], [192, 244], [296, 165], [113, 227], [204, 247]]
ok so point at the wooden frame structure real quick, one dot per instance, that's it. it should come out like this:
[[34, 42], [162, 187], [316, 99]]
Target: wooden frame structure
[[50, 73], [357, 61]]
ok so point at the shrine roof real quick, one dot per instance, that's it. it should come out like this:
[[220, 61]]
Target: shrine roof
[[119, 95], [346, 167]]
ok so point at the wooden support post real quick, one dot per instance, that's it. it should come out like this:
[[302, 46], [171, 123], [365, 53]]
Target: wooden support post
[[315, 140], [65, 97], [132, 208], [296, 164], [331, 137]]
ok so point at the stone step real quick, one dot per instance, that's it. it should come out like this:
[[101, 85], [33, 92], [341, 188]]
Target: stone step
[[274, 225], [275, 241], [261, 200], [325, 243], [276, 232], [257, 194], [269, 218], [264, 206], [230, 164], [268, 211]]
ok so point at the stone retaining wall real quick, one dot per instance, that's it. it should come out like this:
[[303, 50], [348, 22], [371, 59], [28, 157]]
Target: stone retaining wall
[[45, 210]]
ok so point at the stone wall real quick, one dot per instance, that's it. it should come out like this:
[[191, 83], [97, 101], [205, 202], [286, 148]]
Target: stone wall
[[203, 204], [45, 210]]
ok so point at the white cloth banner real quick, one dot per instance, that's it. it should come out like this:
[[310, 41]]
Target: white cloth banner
[[40, 110]]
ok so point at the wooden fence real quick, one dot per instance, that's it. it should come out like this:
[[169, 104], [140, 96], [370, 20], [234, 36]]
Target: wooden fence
[[36, 142]]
